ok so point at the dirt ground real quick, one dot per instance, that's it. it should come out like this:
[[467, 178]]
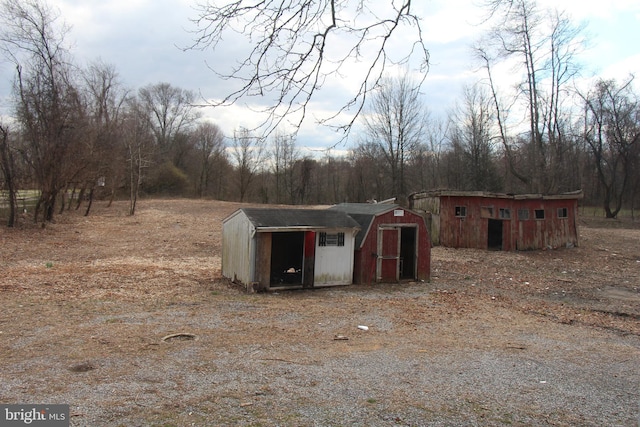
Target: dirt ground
[[128, 320]]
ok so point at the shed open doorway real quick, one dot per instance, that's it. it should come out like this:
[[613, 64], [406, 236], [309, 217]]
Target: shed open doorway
[[397, 253], [287, 254], [408, 253], [494, 235]]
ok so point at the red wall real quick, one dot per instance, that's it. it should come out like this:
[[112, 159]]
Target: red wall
[[366, 256], [471, 231]]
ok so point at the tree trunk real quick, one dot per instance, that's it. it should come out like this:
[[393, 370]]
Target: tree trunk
[[112, 196], [63, 200], [86, 213], [81, 196], [73, 194], [7, 170]]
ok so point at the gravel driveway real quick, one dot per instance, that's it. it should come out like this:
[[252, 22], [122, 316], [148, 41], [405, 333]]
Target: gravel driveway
[[495, 339]]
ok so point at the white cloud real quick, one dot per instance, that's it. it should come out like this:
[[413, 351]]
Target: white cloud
[[623, 68], [587, 9], [446, 21], [139, 38]]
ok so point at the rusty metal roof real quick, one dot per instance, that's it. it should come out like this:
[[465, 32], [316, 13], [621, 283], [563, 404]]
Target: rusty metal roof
[[485, 194]]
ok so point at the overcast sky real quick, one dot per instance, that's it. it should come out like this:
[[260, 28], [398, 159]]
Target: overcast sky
[[141, 38]]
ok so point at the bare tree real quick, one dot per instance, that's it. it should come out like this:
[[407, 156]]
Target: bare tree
[[137, 138], [395, 122], [209, 143], [7, 166], [247, 152], [369, 181], [544, 45], [612, 132], [509, 144], [426, 164], [48, 102], [105, 103], [335, 173], [565, 41], [296, 47], [304, 169], [285, 155], [170, 112], [473, 124]]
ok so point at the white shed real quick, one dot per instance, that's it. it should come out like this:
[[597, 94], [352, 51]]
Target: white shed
[[268, 248]]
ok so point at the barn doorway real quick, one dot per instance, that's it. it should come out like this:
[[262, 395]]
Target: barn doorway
[[287, 254], [396, 253], [494, 235], [408, 253]]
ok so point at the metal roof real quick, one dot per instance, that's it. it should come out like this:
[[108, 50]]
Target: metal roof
[[485, 194], [365, 208], [298, 218], [364, 213]]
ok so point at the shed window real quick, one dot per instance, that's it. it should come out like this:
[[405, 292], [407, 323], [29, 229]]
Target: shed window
[[539, 213], [505, 213], [331, 239], [486, 212], [461, 211], [563, 213], [523, 214]]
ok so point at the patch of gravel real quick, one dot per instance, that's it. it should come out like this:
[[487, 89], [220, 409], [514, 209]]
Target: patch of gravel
[[496, 339], [384, 376]]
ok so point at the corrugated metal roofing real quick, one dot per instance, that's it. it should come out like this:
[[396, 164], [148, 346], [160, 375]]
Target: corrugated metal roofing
[[287, 218]]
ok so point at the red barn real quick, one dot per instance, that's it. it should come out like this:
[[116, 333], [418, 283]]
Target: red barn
[[507, 222], [392, 245]]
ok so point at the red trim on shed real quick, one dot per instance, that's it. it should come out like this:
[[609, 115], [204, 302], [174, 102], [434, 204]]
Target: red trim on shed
[[400, 251]]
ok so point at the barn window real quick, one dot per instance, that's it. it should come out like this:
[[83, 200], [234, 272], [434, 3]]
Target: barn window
[[331, 239], [539, 213], [505, 213], [523, 214], [486, 212], [563, 213], [461, 211]]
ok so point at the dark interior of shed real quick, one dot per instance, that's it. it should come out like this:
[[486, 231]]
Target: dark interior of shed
[[494, 235], [408, 253], [287, 250]]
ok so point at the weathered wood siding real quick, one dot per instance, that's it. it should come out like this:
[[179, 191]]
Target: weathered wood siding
[[263, 259], [430, 207], [249, 244], [471, 230], [365, 265], [554, 230], [238, 248]]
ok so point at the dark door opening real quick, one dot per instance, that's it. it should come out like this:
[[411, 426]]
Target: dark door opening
[[408, 253], [287, 251], [494, 235]]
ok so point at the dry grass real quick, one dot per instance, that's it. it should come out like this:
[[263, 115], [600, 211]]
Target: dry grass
[[86, 303]]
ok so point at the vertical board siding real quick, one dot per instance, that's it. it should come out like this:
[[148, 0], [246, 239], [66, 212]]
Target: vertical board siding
[[388, 254], [262, 264], [472, 229], [365, 265], [238, 249]]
